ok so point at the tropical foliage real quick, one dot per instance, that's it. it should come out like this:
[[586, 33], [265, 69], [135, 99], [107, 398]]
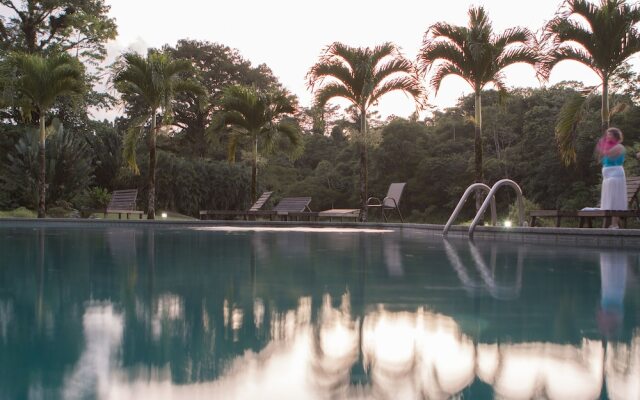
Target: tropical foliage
[[191, 107], [151, 83], [261, 119], [34, 83], [600, 36], [362, 76], [478, 55]]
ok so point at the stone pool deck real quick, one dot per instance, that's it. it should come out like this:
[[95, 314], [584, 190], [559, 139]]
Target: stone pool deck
[[587, 237]]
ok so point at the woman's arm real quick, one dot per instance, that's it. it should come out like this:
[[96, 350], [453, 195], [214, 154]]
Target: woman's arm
[[616, 150]]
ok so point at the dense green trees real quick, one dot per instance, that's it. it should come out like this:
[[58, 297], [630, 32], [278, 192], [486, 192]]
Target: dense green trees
[[231, 109], [477, 55]]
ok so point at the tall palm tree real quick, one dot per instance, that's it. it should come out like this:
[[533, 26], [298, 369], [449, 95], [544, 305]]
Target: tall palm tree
[[362, 76], [603, 40], [477, 55], [36, 82], [262, 118], [152, 82]]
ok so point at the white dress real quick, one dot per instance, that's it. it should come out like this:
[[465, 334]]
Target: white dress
[[614, 186]]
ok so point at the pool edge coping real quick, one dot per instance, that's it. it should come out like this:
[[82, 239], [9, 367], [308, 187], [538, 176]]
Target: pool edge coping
[[626, 238]]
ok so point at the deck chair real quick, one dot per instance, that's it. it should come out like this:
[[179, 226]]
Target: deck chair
[[123, 202], [254, 210], [633, 188], [294, 208], [390, 202]]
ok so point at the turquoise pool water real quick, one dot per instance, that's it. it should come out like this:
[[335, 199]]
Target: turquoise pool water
[[144, 313]]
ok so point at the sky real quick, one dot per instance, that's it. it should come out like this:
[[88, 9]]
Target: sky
[[289, 35]]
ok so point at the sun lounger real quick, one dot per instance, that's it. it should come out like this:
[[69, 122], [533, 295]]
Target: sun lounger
[[123, 202], [293, 208], [254, 210]]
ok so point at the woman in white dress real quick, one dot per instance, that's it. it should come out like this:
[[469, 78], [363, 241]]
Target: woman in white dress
[[614, 184]]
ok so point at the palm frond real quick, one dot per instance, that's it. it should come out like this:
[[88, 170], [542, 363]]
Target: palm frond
[[566, 126], [444, 70], [327, 70], [333, 90], [130, 142], [407, 84], [435, 51], [457, 35]]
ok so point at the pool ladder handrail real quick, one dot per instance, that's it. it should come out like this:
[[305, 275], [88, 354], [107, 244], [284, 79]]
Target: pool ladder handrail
[[489, 200], [471, 189]]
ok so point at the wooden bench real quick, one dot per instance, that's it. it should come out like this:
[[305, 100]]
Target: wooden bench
[[633, 187], [586, 216], [557, 214], [123, 202]]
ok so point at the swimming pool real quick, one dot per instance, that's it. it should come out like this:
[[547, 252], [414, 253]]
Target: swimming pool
[[136, 312]]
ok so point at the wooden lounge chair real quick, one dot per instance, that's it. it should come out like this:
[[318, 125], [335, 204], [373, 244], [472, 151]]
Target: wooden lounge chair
[[253, 210], [390, 202], [340, 213], [586, 216], [633, 187], [123, 202], [294, 207]]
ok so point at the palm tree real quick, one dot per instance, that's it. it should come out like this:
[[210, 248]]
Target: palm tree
[[36, 82], [262, 117], [477, 55], [152, 83], [362, 76], [603, 44]]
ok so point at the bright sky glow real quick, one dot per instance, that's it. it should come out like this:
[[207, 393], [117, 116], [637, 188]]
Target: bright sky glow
[[289, 35]]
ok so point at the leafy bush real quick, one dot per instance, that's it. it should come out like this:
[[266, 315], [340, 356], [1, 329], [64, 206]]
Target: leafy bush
[[190, 185], [68, 169], [92, 199], [20, 212]]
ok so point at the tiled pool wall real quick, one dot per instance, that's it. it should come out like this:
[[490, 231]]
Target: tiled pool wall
[[588, 237]]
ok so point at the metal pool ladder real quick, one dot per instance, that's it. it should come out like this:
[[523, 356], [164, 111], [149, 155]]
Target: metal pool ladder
[[490, 199]]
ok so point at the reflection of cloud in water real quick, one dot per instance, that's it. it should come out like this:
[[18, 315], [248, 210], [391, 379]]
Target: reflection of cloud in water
[[412, 355], [623, 370], [532, 370], [290, 229], [103, 335]]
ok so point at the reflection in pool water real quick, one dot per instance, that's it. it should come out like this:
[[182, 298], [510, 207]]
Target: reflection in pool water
[[174, 314]]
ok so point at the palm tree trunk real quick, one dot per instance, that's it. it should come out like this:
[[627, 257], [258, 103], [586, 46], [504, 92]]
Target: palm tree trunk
[[151, 210], [605, 104], [42, 186], [254, 171], [363, 165], [478, 146]]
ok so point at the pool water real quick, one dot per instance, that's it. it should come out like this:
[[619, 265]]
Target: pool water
[[271, 313]]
